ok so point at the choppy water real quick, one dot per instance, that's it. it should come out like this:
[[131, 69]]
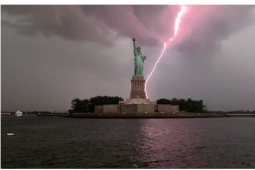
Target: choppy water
[[54, 142]]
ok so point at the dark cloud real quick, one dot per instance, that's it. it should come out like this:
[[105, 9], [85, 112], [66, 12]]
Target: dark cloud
[[68, 22], [149, 24], [202, 29], [95, 23], [43, 70]]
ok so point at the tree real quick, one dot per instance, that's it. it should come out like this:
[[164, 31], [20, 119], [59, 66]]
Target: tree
[[188, 105], [88, 105], [80, 106], [102, 100], [163, 101]]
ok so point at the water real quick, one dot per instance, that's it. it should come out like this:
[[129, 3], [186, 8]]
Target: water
[[54, 142]]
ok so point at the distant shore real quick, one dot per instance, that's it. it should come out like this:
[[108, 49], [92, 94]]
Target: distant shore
[[144, 115]]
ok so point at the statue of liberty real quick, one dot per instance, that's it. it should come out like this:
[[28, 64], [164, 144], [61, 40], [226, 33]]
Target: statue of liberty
[[139, 60]]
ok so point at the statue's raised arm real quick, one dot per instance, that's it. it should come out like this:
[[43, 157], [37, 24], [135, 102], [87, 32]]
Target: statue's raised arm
[[134, 46], [134, 43]]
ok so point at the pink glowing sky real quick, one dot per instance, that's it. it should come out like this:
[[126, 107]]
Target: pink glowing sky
[[183, 10]]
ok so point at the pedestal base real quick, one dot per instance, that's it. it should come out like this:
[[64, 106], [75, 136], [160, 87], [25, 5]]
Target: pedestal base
[[137, 87], [137, 94]]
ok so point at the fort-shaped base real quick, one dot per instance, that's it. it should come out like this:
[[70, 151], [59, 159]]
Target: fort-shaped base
[[137, 101]]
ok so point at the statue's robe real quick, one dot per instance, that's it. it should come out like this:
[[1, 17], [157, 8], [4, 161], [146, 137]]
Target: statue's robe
[[139, 60]]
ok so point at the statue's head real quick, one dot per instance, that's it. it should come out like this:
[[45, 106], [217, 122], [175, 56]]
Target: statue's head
[[138, 49]]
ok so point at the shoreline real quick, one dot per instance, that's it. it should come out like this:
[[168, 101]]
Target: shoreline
[[142, 115]]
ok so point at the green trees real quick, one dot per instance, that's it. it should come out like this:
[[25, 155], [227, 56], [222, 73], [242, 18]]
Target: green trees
[[188, 105], [88, 105], [80, 106]]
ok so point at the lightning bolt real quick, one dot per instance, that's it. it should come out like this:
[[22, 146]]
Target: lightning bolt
[[176, 28]]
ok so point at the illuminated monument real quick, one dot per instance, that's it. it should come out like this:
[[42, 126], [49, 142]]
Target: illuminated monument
[[137, 94], [138, 82], [137, 102]]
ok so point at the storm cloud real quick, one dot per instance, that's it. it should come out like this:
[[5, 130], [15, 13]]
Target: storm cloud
[[62, 52], [202, 29]]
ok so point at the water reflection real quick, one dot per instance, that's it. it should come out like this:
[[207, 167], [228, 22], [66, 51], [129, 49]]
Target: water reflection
[[170, 143]]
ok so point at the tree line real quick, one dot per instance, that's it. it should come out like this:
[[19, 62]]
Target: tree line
[[188, 105], [88, 105]]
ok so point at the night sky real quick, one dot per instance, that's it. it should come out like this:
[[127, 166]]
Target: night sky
[[53, 54]]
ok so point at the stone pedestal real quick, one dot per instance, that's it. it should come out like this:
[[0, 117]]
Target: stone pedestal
[[137, 87], [137, 94]]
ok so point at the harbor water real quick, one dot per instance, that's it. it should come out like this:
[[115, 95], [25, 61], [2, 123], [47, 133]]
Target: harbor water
[[55, 142]]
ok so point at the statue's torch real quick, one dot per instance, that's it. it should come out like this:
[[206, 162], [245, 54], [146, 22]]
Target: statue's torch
[[134, 43]]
